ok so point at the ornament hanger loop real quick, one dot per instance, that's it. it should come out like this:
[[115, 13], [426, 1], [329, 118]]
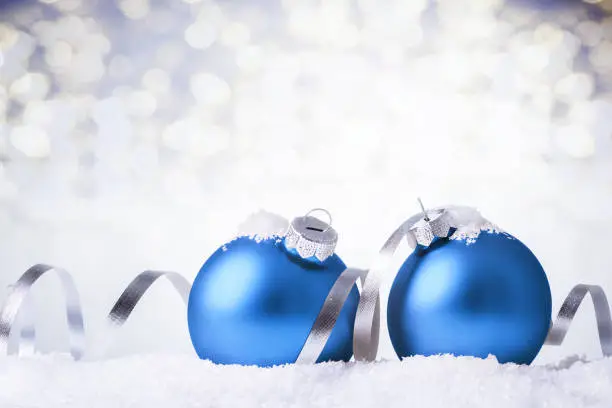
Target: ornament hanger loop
[[425, 217], [329, 224]]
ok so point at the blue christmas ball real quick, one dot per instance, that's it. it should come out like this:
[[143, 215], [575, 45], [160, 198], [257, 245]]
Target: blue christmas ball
[[254, 303], [471, 299]]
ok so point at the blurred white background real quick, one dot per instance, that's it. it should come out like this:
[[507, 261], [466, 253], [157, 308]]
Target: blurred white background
[[138, 134]]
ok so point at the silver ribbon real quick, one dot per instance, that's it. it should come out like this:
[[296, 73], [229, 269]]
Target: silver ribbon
[[16, 305], [17, 302], [133, 293], [326, 320], [366, 333], [570, 306], [122, 309]]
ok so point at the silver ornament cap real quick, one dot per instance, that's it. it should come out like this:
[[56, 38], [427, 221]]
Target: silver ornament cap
[[433, 224], [311, 238]]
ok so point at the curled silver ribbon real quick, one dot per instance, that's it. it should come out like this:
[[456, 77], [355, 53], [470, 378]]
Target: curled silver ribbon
[[570, 306], [326, 320], [133, 293], [16, 304], [366, 333], [18, 297]]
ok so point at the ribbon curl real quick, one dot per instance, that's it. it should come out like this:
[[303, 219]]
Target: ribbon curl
[[18, 297], [568, 310], [16, 303], [366, 333], [326, 320]]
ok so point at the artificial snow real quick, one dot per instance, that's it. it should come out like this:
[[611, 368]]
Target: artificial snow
[[183, 381], [260, 226], [470, 233], [263, 224], [470, 223]]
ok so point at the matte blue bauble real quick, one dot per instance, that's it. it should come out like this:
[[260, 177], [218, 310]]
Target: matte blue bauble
[[487, 297], [254, 303]]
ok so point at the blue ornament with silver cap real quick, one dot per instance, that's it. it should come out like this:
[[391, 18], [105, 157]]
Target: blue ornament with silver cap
[[468, 289], [255, 300]]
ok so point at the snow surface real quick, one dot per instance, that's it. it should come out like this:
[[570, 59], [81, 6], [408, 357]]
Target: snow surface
[[162, 380]]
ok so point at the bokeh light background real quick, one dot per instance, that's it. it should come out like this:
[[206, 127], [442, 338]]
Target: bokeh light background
[[139, 134]]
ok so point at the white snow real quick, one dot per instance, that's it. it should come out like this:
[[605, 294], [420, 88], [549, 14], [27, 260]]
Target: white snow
[[470, 223], [156, 381], [470, 233], [262, 225]]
